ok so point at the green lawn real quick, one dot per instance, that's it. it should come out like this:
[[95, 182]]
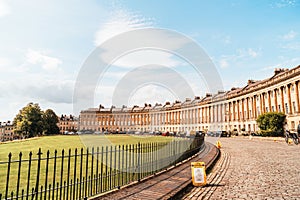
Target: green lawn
[[66, 142], [59, 143]]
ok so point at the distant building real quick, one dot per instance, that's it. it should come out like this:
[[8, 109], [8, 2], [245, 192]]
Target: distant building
[[67, 124], [6, 131], [236, 109]]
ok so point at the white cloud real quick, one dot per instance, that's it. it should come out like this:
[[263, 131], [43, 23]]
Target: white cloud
[[246, 53], [223, 63], [252, 53], [48, 63], [4, 8], [224, 39], [4, 63], [227, 39], [289, 36], [120, 21], [284, 3], [287, 63], [291, 46], [151, 94], [147, 57], [241, 54]]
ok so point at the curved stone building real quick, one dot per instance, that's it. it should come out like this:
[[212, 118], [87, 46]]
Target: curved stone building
[[236, 109]]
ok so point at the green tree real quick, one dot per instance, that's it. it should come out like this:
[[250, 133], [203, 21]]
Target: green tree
[[28, 122], [271, 123], [50, 120]]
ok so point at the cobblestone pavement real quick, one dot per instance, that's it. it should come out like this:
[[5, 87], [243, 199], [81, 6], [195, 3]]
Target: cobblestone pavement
[[253, 169]]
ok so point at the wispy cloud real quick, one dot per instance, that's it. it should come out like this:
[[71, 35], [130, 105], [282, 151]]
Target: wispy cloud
[[147, 57], [290, 35], [225, 39], [284, 64], [284, 3], [4, 8], [121, 21], [227, 60], [48, 63], [291, 46], [223, 63], [4, 63]]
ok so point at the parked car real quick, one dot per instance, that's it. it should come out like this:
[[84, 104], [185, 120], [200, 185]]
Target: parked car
[[225, 134], [166, 134], [158, 133], [211, 134]]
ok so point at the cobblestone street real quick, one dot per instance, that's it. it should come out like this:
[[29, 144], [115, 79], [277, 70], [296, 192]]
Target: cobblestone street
[[253, 169]]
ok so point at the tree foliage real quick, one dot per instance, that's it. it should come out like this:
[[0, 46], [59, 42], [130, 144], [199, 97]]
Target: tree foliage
[[271, 123], [32, 121], [50, 122]]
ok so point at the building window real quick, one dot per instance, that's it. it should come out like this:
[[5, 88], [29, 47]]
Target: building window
[[267, 109], [293, 125], [279, 109], [273, 109], [294, 106], [286, 108]]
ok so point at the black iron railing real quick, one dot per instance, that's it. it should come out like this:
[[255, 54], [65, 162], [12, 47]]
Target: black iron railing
[[83, 173]]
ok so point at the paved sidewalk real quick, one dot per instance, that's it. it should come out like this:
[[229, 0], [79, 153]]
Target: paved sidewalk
[[166, 184], [253, 169]]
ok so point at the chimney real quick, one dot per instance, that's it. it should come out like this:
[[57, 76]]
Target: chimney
[[278, 70], [208, 94], [197, 97], [188, 99], [250, 81]]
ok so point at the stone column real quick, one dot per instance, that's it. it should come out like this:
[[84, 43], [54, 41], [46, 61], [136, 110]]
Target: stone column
[[233, 111], [282, 99], [275, 99], [211, 114], [247, 108], [289, 98], [297, 96], [229, 111], [254, 107], [263, 108], [269, 101], [243, 110], [203, 114], [260, 104]]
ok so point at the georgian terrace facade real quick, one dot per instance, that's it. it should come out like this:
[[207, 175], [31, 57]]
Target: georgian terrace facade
[[235, 109]]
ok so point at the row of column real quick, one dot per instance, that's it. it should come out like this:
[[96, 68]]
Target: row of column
[[247, 108]]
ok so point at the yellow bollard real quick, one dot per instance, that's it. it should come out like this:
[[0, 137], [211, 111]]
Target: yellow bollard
[[290, 141], [198, 173], [218, 144], [275, 140]]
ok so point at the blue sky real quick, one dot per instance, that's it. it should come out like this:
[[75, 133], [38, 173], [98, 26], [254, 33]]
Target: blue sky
[[43, 44]]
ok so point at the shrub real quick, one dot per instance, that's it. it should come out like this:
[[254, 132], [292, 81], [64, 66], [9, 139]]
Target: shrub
[[271, 123]]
